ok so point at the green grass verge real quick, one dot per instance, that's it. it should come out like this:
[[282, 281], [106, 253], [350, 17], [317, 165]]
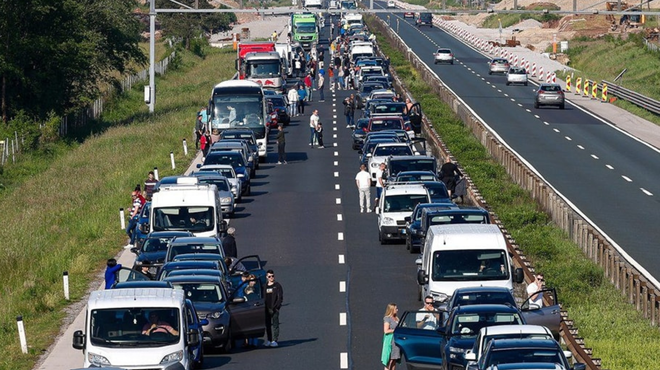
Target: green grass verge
[[65, 218], [492, 21], [616, 331]]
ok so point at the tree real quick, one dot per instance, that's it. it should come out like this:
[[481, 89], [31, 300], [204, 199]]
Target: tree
[[188, 26], [55, 54]]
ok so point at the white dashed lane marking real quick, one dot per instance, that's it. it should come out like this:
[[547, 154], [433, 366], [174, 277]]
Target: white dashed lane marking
[[342, 287], [626, 178], [342, 319], [339, 217], [341, 259], [646, 192]]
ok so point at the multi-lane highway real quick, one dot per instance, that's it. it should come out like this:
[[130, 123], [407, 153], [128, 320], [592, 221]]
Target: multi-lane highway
[[610, 176]]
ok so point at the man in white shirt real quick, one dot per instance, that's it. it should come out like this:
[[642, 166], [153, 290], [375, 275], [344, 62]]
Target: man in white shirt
[[293, 98], [363, 182], [313, 124], [380, 183], [532, 289], [427, 321]]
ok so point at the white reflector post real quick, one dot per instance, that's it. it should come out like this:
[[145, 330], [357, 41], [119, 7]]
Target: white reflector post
[[21, 334]]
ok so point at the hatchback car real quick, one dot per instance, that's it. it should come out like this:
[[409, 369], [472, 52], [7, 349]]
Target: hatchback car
[[549, 94], [280, 104], [516, 75], [236, 161], [443, 55], [151, 253], [228, 172], [243, 134], [408, 15], [225, 194], [359, 134], [424, 19], [498, 65]]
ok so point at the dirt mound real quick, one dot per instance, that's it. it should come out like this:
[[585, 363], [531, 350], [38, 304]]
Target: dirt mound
[[549, 6], [562, 4]]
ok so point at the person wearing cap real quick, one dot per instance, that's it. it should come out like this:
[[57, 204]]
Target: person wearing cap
[[229, 243]]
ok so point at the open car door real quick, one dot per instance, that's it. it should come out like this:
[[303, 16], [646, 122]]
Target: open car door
[[420, 346], [415, 117], [126, 274], [548, 315], [248, 311], [251, 264]]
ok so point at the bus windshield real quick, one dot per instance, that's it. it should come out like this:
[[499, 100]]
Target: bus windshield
[[245, 111], [470, 265]]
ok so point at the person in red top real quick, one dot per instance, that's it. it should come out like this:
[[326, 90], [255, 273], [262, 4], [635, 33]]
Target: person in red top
[[138, 203], [308, 86]]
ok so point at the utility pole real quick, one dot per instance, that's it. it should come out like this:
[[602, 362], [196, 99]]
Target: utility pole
[[152, 55]]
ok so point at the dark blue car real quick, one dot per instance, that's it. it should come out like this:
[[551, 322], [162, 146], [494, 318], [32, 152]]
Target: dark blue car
[[151, 253], [236, 161]]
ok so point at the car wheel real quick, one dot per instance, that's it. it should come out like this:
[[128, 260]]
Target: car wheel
[[508, 83], [229, 343], [536, 105], [452, 62], [561, 106], [490, 72]]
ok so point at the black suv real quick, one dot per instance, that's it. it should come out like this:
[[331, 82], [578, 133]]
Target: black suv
[[425, 19]]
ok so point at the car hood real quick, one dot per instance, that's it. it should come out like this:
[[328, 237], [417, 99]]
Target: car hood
[[461, 342], [209, 307]]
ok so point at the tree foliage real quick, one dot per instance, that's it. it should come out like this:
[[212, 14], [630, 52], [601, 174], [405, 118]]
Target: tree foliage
[[56, 54], [188, 26]]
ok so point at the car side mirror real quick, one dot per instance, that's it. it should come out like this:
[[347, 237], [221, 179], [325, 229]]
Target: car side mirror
[[203, 322], [144, 228], [568, 354], [78, 340], [422, 278], [519, 275], [199, 165], [192, 337]]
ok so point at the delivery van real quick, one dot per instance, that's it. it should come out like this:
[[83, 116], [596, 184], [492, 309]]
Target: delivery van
[[464, 255], [141, 328]]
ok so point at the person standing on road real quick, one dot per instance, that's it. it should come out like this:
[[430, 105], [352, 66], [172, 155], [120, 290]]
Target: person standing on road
[[293, 98], [319, 85], [149, 185], [138, 202], [449, 174], [302, 96], [111, 272], [308, 86], [380, 183], [331, 76], [340, 78], [532, 291], [199, 130], [390, 354], [363, 182], [274, 295], [229, 243], [319, 134], [281, 143], [348, 111], [313, 123]]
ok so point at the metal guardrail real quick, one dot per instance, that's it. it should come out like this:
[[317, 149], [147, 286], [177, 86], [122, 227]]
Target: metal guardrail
[[636, 98], [569, 333]]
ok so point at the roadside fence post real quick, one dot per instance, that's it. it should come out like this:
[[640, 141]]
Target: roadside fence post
[[65, 281], [21, 334], [122, 222]]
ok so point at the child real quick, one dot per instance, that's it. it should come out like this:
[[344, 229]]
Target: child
[[111, 272], [319, 134]]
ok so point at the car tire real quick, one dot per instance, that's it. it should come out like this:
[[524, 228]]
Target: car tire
[[508, 83], [249, 190], [435, 62], [536, 105], [490, 72], [381, 238], [229, 344], [561, 106]]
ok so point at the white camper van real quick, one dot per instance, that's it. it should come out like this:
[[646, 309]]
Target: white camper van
[[187, 206], [464, 255], [115, 324]]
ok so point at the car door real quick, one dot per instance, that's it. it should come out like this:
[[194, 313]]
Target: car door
[[421, 347], [126, 274], [548, 316], [193, 321], [248, 315]]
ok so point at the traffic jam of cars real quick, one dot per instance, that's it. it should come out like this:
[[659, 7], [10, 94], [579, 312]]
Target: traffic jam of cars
[[185, 296]]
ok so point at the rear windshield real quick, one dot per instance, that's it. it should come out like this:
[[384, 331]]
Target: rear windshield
[[551, 88], [403, 202]]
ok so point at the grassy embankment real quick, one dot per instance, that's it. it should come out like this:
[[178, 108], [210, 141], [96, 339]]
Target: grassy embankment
[[616, 331], [64, 217]]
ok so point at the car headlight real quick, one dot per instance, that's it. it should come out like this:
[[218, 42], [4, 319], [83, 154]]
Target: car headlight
[[225, 200], [388, 221], [95, 359], [457, 350], [216, 315], [172, 357]]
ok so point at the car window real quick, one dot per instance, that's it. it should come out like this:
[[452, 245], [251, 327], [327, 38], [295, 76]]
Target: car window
[[155, 244], [392, 150]]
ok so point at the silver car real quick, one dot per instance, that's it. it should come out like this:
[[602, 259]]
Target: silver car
[[228, 172], [498, 65], [443, 55], [516, 75], [549, 94], [225, 195]]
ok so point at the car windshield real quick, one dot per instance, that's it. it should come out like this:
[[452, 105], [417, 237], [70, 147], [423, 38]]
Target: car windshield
[[226, 172], [123, 327], [403, 202], [155, 245], [176, 250], [231, 111], [367, 88], [383, 151], [469, 324], [234, 160], [201, 292], [263, 69], [457, 218], [518, 355], [222, 185], [192, 218], [488, 338], [390, 109], [397, 166], [469, 265], [385, 124], [277, 102]]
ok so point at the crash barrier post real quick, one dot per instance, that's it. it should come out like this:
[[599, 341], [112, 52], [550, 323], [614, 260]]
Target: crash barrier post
[[568, 83], [594, 91], [578, 85], [533, 69], [586, 88], [604, 94], [122, 222], [21, 334]]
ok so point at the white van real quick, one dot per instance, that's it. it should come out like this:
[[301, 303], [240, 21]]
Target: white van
[[395, 204], [464, 255], [115, 322], [187, 206], [359, 51]]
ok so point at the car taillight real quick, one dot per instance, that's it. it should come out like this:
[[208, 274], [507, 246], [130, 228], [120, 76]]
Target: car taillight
[[541, 92], [365, 129], [561, 92], [507, 65]]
